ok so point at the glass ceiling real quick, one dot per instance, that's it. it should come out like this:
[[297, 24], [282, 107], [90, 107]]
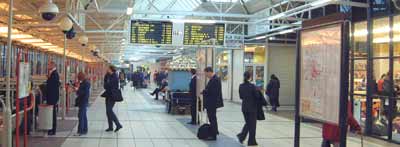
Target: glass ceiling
[[171, 5]]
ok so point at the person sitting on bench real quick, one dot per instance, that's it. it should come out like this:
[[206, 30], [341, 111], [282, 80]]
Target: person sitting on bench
[[162, 88]]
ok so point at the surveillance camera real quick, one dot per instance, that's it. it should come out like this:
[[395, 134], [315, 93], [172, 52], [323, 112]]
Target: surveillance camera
[[49, 11]]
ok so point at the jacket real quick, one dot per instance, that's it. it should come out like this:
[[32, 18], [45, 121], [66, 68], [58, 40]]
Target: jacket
[[213, 94], [249, 96], [111, 82], [260, 103], [273, 92], [193, 87], [331, 132], [53, 88], [83, 94]]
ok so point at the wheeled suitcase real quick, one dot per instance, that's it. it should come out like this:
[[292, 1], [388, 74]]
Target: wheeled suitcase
[[204, 131]]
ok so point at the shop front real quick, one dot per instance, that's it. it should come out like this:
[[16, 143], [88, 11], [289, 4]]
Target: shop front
[[375, 75], [254, 62]]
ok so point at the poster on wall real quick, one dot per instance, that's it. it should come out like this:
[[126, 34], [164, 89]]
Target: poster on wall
[[320, 71], [24, 85]]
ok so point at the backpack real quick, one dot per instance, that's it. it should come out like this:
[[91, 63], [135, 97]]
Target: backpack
[[204, 131]]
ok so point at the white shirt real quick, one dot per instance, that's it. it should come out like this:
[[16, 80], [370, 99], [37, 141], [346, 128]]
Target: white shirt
[[52, 70]]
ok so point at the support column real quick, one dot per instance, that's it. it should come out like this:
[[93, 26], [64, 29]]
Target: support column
[[64, 81], [7, 110]]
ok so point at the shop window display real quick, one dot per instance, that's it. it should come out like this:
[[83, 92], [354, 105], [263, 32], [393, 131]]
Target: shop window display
[[360, 40], [254, 59], [360, 77], [222, 65], [396, 36], [396, 100], [385, 90]]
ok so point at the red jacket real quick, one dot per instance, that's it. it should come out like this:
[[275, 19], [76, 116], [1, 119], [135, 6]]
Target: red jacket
[[331, 132]]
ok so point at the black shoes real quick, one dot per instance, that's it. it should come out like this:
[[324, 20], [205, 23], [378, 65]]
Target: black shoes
[[109, 130], [211, 138], [252, 144], [241, 139], [51, 133], [192, 123], [117, 129]]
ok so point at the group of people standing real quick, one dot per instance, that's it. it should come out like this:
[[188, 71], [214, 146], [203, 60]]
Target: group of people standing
[[52, 93], [252, 98]]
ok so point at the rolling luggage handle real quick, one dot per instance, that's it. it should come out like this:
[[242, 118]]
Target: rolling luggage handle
[[362, 140]]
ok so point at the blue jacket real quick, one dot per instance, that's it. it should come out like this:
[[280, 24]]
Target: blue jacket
[[213, 94], [53, 88], [83, 94]]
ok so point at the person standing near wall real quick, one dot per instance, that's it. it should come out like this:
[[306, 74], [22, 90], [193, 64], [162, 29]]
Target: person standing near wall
[[82, 102], [110, 85], [53, 93], [193, 95], [272, 91], [212, 100]]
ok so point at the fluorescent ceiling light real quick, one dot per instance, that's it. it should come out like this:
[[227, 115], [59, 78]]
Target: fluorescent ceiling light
[[21, 36], [273, 17], [49, 47], [31, 40], [286, 31], [42, 44], [129, 11], [260, 37], [321, 2], [193, 21]]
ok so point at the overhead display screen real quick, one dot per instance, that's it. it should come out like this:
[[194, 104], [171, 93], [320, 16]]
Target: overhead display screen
[[196, 33], [151, 32]]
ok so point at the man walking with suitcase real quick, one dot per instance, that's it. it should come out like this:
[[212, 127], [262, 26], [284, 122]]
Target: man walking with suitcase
[[212, 100]]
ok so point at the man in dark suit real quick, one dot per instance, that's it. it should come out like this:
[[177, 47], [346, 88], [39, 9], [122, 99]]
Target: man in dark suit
[[212, 100], [193, 95], [53, 92]]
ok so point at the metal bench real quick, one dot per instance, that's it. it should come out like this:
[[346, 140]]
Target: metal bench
[[179, 102]]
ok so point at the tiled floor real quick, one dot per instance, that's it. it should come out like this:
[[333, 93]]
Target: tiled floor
[[146, 124]]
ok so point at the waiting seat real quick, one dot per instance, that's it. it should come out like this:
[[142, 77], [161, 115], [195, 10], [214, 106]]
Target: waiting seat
[[179, 102]]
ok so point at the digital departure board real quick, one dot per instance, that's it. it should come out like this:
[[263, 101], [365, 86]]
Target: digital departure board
[[151, 32], [196, 33]]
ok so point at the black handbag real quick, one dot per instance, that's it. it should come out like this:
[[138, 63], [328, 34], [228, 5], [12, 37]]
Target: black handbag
[[116, 95]]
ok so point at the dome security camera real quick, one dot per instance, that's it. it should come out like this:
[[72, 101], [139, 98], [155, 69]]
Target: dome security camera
[[49, 11], [83, 40]]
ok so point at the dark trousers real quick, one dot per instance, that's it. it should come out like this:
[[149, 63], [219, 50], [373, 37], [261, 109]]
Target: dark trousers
[[193, 110], [54, 129], [111, 117], [212, 117], [155, 92], [83, 122], [326, 143], [249, 127]]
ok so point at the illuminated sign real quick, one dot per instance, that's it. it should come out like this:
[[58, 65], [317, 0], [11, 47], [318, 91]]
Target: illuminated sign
[[195, 34], [151, 32]]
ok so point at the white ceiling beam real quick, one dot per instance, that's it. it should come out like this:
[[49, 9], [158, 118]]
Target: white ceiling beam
[[116, 22], [178, 13], [94, 21], [105, 31], [96, 4], [232, 6]]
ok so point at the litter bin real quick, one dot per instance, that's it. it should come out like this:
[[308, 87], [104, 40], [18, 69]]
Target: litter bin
[[45, 120]]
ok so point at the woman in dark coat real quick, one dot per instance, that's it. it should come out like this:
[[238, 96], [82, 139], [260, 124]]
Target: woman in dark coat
[[249, 95], [273, 92], [111, 84]]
